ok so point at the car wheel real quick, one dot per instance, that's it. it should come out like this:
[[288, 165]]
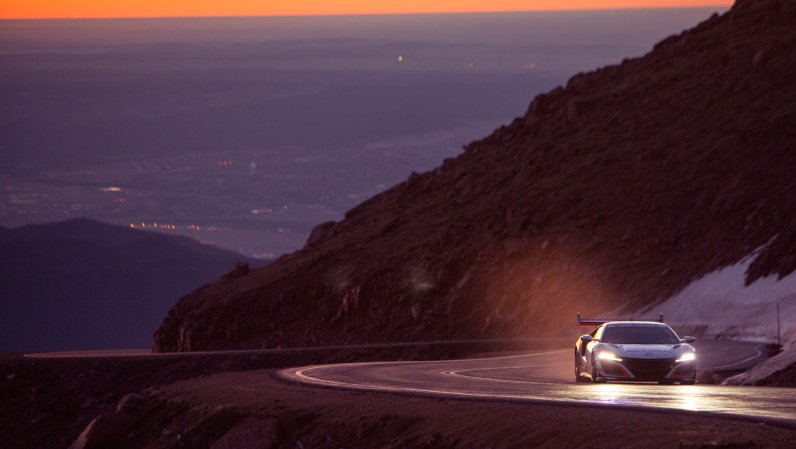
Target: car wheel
[[594, 377], [578, 377]]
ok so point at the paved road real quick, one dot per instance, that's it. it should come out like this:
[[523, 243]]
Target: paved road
[[548, 377]]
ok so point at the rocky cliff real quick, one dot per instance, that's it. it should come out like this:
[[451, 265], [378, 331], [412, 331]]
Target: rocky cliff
[[619, 188]]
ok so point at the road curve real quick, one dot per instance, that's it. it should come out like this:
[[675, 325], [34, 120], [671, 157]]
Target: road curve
[[548, 377]]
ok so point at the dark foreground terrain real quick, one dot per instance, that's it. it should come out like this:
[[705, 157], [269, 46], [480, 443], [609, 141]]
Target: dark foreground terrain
[[46, 403], [233, 401], [270, 414]]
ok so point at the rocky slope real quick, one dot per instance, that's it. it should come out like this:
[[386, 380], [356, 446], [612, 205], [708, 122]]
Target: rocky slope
[[81, 284], [778, 371], [619, 188]]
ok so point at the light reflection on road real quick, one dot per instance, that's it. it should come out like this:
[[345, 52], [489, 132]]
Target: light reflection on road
[[685, 397]]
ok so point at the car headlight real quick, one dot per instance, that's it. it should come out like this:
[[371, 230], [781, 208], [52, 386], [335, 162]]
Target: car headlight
[[610, 356], [686, 357]]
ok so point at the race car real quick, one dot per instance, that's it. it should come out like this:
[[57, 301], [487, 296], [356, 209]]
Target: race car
[[646, 351]]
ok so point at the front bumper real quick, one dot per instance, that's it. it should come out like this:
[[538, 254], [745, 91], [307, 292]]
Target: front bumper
[[632, 369]]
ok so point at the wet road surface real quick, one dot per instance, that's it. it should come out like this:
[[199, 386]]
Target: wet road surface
[[548, 377]]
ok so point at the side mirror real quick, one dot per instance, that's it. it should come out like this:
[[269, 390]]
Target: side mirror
[[688, 339], [586, 338]]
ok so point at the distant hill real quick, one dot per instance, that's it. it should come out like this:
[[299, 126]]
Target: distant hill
[[81, 284], [617, 189]]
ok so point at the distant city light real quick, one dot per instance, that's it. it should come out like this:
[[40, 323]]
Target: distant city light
[[111, 189], [155, 226]]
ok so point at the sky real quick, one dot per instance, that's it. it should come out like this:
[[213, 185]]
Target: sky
[[33, 9]]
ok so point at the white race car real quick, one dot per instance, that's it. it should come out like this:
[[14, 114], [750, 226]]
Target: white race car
[[634, 351]]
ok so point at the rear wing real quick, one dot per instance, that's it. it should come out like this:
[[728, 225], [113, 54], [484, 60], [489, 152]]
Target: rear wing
[[599, 321]]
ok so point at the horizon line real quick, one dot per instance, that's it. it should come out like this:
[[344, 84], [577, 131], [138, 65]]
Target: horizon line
[[370, 14]]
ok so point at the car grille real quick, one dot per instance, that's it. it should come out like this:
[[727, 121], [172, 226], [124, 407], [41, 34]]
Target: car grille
[[648, 369]]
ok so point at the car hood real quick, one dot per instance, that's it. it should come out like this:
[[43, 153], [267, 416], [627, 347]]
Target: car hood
[[648, 351]]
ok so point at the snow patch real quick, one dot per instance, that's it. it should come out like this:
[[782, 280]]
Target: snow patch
[[720, 305]]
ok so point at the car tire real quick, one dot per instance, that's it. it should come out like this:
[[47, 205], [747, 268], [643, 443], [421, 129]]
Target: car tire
[[578, 377], [594, 377]]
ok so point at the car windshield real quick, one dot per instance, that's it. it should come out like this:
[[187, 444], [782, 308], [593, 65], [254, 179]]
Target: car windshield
[[639, 335]]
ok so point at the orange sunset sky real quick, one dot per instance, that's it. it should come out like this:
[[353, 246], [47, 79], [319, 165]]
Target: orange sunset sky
[[185, 8]]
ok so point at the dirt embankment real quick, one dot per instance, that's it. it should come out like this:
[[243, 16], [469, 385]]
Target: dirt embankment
[[619, 188], [46, 403]]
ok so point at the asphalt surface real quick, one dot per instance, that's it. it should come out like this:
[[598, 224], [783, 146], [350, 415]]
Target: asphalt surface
[[548, 376]]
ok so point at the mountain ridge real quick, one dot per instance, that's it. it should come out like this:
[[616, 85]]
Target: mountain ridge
[[82, 284], [617, 189]]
